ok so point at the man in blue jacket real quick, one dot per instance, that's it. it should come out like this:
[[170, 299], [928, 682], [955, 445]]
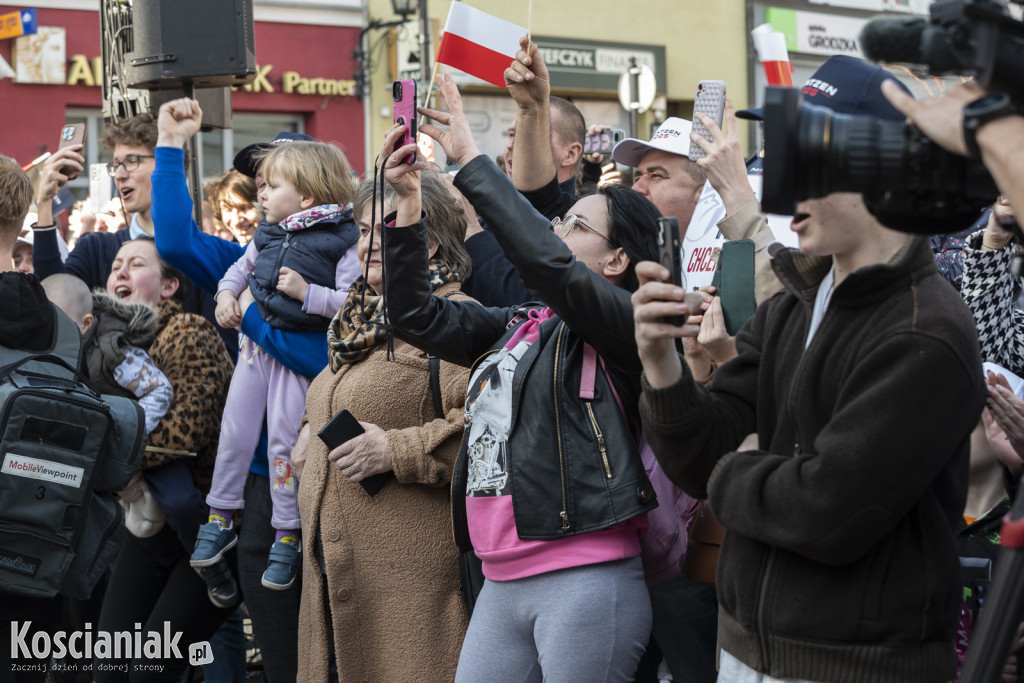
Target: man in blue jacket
[[204, 259]]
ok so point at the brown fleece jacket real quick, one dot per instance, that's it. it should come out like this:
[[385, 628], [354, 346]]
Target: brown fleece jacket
[[392, 567]]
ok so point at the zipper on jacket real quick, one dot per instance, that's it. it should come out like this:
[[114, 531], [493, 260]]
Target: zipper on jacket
[[564, 514], [600, 439], [280, 259], [480, 359]]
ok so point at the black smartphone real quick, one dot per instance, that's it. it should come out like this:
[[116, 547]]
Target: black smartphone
[[341, 428], [669, 255]]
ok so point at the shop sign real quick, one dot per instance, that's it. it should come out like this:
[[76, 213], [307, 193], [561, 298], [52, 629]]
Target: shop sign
[[594, 65], [83, 71], [814, 33], [21, 23], [293, 83]]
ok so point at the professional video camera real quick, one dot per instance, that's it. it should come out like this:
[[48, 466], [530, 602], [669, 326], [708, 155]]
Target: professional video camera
[[909, 183]]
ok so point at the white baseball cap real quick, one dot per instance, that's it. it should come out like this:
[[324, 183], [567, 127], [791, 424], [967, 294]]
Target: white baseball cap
[[673, 136]]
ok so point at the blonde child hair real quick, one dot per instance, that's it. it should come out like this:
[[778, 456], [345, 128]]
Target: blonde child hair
[[315, 169]]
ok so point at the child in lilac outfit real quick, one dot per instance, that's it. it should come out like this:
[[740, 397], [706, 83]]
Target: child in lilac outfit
[[297, 270]]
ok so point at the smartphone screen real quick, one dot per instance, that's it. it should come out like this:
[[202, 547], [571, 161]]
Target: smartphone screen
[[403, 96], [709, 100]]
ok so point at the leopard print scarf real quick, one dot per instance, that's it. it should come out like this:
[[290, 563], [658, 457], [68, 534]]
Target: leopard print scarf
[[359, 326]]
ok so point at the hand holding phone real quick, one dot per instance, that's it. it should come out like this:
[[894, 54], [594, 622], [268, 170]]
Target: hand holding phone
[[70, 135], [603, 142], [669, 256], [344, 427], [709, 100], [403, 95]]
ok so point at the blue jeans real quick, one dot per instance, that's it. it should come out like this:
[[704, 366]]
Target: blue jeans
[[228, 645]]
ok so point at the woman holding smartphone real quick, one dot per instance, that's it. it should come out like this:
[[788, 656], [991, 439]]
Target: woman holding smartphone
[[549, 489], [380, 577]]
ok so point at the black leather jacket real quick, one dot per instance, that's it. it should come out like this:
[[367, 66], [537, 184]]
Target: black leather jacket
[[574, 466]]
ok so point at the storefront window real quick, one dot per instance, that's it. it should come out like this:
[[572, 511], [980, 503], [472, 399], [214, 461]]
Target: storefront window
[[218, 148]]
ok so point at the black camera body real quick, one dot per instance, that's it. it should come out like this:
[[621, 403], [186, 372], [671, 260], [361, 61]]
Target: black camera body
[[908, 182]]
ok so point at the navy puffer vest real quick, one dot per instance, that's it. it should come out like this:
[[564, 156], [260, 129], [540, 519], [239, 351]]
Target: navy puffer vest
[[313, 253]]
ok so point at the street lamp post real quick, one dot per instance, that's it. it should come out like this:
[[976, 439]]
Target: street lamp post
[[403, 8], [424, 45]]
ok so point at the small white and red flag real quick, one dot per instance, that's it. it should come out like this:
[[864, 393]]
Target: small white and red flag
[[771, 51], [478, 43]]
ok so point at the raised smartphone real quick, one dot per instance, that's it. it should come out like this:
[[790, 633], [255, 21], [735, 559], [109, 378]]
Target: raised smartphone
[[403, 95], [709, 100], [603, 142], [669, 255], [71, 134]]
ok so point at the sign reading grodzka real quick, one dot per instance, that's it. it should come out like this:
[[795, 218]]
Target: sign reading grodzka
[[83, 71]]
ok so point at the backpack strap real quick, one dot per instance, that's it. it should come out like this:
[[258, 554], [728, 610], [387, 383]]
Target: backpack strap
[[435, 385], [589, 374]]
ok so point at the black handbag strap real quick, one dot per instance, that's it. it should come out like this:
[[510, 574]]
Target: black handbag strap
[[435, 385]]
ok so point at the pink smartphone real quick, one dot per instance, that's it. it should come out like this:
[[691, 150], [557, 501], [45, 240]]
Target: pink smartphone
[[403, 94]]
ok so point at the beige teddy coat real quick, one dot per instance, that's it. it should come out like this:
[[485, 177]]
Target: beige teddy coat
[[392, 567]]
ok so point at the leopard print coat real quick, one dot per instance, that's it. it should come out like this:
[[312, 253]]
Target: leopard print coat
[[191, 354]]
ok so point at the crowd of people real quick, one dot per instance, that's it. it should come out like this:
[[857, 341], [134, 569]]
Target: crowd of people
[[511, 348]]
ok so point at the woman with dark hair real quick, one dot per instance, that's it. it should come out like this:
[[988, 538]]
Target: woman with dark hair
[[152, 583], [549, 489], [234, 204], [380, 579]]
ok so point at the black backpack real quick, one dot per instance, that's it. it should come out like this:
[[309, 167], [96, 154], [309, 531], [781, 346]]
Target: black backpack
[[64, 450]]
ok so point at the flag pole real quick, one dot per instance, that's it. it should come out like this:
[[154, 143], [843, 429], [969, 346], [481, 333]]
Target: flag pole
[[430, 90], [529, 24]]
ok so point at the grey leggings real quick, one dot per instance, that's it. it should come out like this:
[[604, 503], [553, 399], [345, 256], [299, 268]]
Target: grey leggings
[[587, 623]]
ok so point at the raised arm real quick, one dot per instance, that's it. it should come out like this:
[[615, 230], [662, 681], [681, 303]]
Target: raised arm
[[202, 258], [595, 309], [528, 84], [60, 168], [455, 331], [727, 173]]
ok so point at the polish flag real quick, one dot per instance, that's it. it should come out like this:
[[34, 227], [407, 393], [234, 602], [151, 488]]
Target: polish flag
[[478, 43], [771, 51]]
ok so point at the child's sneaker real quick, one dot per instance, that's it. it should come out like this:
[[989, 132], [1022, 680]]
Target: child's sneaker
[[221, 586], [283, 564], [212, 541]]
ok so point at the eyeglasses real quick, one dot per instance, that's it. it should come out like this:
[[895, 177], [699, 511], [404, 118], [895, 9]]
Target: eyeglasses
[[564, 227], [130, 163]]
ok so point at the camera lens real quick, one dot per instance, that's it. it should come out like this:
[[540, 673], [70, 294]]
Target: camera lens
[[396, 91], [908, 182]]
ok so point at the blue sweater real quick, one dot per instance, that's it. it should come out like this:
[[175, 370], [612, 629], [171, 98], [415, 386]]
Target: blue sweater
[[205, 258]]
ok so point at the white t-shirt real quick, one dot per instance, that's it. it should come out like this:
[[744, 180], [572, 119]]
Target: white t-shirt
[[821, 302]]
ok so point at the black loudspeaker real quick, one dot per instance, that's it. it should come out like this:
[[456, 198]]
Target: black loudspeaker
[[208, 43]]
